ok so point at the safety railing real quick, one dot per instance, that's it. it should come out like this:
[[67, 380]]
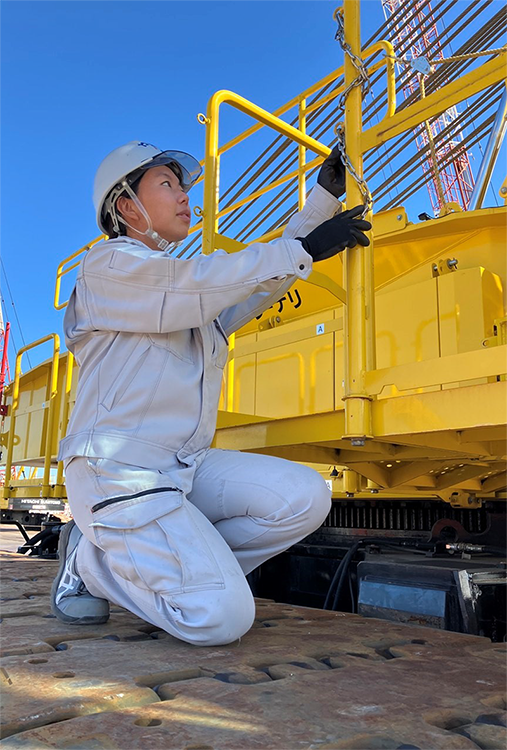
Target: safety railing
[[50, 404], [64, 269], [273, 120], [212, 213]]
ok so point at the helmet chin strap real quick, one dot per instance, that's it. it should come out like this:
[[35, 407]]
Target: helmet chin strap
[[162, 244]]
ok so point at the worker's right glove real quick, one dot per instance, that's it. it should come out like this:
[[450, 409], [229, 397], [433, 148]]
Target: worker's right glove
[[332, 174], [334, 235]]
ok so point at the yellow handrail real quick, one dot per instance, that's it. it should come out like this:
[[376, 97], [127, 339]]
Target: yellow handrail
[[388, 60], [212, 156], [66, 411], [285, 129], [61, 272], [302, 169], [51, 415]]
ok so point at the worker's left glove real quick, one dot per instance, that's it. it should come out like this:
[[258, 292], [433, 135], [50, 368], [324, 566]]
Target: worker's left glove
[[332, 174], [334, 235]]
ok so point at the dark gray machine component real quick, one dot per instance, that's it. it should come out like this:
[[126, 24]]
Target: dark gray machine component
[[461, 595]]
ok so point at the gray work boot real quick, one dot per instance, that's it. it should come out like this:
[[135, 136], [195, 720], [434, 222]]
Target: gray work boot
[[70, 601]]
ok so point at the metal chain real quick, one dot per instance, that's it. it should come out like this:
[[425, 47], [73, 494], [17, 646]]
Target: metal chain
[[361, 184], [362, 80]]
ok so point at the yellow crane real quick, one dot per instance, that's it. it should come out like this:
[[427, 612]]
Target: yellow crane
[[386, 369]]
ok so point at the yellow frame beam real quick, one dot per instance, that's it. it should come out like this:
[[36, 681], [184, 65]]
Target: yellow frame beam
[[439, 371], [435, 103]]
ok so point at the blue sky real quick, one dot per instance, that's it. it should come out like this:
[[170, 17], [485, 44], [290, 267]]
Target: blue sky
[[80, 78]]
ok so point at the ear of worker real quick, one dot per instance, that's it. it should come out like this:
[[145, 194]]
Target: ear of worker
[[345, 229]]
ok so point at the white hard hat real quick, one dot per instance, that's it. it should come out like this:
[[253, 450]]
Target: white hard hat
[[134, 157]]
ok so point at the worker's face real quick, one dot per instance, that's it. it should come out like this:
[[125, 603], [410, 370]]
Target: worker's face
[[165, 201]]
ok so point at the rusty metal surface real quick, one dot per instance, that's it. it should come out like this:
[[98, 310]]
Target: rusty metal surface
[[301, 678]]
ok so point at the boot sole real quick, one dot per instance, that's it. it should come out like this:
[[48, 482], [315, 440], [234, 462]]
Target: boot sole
[[62, 556]]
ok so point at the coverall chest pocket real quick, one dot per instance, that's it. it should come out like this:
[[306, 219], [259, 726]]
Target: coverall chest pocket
[[153, 541], [125, 377], [220, 345], [179, 343]]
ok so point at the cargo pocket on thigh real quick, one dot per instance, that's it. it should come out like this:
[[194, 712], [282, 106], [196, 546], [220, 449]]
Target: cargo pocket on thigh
[[151, 541]]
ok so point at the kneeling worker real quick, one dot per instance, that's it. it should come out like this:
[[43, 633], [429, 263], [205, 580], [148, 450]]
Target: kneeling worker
[[165, 526]]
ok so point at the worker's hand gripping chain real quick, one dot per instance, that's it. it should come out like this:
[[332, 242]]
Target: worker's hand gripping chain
[[332, 173], [331, 237], [343, 230]]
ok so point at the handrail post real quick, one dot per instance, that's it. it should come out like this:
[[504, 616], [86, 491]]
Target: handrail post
[[301, 156], [359, 325], [211, 178], [45, 490], [65, 413]]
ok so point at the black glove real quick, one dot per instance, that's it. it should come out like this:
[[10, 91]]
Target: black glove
[[334, 235], [332, 174]]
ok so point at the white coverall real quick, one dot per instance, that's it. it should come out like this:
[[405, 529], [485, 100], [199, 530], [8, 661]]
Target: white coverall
[[171, 527]]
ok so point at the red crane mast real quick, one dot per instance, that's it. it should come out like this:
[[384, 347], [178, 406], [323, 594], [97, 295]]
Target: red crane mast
[[414, 34], [4, 367]]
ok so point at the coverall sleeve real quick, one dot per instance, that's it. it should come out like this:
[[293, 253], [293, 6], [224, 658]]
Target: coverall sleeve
[[319, 207], [129, 288]]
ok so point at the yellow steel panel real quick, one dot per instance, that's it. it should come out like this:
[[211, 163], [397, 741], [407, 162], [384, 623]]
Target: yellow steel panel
[[30, 426], [469, 302], [304, 298], [440, 412], [407, 329], [476, 364], [31, 422], [339, 364], [474, 239], [296, 378], [392, 220], [404, 257], [407, 325], [452, 409], [254, 434], [244, 377]]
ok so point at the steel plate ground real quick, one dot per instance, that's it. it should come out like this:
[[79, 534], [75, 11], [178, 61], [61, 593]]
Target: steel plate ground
[[301, 678]]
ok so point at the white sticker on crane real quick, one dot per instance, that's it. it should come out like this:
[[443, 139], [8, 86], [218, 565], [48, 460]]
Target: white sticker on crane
[[320, 329], [329, 484]]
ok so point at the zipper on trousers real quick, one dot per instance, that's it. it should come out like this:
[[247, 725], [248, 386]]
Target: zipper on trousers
[[122, 498]]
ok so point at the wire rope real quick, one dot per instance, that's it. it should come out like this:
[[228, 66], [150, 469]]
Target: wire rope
[[14, 310]]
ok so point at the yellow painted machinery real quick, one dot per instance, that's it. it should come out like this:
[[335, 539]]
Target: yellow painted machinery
[[385, 370]]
